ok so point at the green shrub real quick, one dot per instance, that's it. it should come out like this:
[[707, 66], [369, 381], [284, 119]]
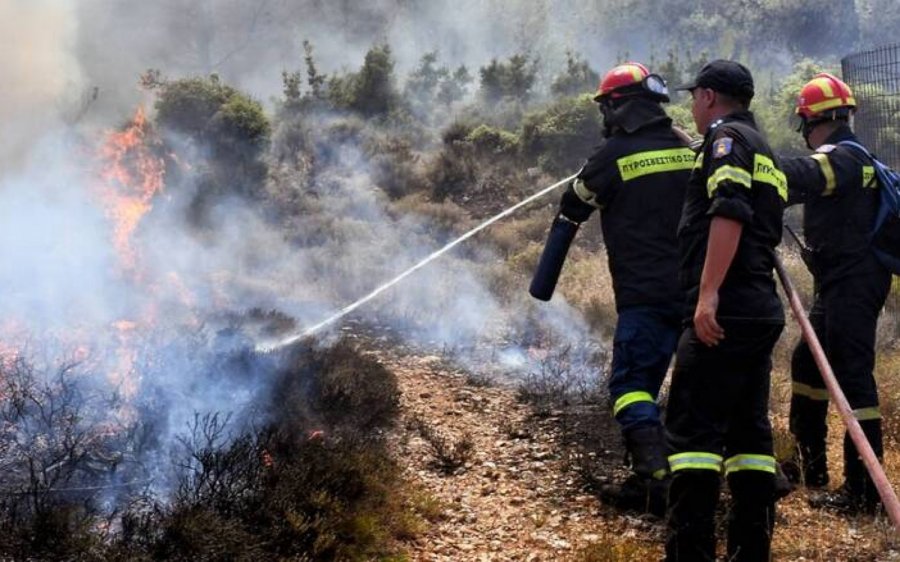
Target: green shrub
[[561, 137], [229, 130], [489, 140]]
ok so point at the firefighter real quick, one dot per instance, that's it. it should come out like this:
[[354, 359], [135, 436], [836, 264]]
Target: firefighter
[[636, 178], [840, 199], [717, 417]]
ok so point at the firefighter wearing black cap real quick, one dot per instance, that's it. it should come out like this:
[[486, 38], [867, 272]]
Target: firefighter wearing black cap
[[637, 178], [838, 188], [717, 417]]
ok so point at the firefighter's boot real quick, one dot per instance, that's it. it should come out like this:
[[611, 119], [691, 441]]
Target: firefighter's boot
[[815, 465], [647, 448], [858, 494], [752, 516], [809, 465], [637, 494], [645, 490], [693, 495]]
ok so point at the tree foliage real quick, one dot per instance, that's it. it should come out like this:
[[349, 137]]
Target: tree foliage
[[372, 91], [577, 78], [509, 80]]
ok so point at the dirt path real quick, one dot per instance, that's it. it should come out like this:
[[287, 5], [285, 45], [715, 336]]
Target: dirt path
[[513, 499]]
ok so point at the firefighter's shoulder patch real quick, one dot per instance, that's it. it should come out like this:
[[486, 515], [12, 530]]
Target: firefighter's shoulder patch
[[722, 147], [825, 148]]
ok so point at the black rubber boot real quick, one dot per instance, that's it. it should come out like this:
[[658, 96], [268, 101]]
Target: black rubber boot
[[647, 449], [857, 481], [815, 465], [752, 516], [807, 420], [783, 484], [693, 495], [858, 494], [637, 494]]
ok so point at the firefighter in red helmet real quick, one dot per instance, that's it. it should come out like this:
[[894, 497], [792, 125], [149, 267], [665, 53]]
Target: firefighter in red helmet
[[840, 197], [636, 177]]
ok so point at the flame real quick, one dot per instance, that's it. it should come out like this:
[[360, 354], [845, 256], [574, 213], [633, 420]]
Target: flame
[[131, 175], [124, 375]]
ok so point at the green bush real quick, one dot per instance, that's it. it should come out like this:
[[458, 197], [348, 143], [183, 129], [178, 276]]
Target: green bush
[[208, 111], [493, 141], [229, 130], [560, 137]]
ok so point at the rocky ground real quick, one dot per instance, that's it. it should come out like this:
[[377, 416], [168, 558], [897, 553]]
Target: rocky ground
[[507, 482]]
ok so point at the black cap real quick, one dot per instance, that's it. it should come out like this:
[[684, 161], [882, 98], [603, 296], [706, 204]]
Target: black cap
[[725, 76]]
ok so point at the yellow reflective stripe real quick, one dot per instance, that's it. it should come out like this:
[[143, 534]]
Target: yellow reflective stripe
[[698, 163], [585, 194], [630, 398], [696, 460], [655, 161], [763, 463], [823, 84], [660, 474], [728, 173], [810, 392], [831, 104], [765, 171], [827, 171], [868, 174], [863, 414]]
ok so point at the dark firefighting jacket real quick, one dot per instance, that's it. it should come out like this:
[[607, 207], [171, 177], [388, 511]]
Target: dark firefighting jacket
[[637, 179], [838, 188], [736, 176]]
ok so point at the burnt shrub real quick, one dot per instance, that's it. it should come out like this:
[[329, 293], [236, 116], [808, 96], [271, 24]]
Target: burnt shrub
[[62, 454], [315, 483]]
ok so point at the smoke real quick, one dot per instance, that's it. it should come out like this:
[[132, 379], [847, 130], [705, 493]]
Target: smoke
[[41, 77], [168, 334], [249, 43]]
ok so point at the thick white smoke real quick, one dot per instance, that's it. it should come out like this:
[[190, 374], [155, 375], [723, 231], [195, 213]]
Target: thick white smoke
[[160, 333]]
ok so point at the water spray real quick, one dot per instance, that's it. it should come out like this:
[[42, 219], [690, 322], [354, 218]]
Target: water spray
[[267, 348]]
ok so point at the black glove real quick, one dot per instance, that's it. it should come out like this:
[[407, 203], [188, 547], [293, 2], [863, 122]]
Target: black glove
[[573, 208]]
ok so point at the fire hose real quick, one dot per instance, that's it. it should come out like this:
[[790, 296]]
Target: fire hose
[[873, 466]]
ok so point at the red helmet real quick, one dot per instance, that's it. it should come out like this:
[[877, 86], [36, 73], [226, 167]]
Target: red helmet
[[823, 94], [632, 76]]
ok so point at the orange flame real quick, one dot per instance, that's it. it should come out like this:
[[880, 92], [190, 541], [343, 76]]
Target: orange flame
[[132, 175]]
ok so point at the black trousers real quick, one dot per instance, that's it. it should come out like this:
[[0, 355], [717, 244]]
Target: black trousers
[[717, 418], [844, 316]]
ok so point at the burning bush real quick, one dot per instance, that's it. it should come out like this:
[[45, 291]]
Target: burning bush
[[312, 480]]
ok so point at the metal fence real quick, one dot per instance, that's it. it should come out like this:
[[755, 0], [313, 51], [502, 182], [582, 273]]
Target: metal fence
[[874, 77]]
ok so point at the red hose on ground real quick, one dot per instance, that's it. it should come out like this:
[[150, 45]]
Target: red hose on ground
[[888, 497]]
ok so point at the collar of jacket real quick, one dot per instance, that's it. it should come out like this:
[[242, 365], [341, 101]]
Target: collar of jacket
[[637, 112], [742, 115]]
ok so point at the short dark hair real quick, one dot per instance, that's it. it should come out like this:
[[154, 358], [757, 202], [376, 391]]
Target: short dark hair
[[742, 102]]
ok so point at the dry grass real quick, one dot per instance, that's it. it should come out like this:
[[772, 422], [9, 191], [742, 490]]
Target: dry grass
[[616, 549]]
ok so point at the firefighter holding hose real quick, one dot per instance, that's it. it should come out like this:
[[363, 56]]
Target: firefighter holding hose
[[636, 178], [840, 197]]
